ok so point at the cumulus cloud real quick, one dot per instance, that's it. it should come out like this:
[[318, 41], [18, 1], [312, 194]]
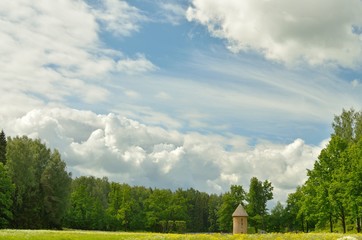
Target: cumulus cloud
[[128, 151], [317, 32]]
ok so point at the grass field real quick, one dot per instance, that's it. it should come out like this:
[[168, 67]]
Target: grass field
[[94, 235]]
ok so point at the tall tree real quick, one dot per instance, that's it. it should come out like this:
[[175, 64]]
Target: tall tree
[[333, 189], [354, 186], [6, 201], [55, 182], [27, 198], [213, 208], [2, 147], [40, 189], [348, 126], [323, 180], [197, 210], [230, 201], [257, 197]]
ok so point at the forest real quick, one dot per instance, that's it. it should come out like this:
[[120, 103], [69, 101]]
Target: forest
[[37, 192]]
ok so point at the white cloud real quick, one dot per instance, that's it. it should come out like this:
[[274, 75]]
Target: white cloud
[[119, 17], [126, 150], [135, 66], [53, 52], [318, 32], [172, 12]]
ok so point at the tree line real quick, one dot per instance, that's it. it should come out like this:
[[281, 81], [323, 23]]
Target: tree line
[[99, 204], [36, 191]]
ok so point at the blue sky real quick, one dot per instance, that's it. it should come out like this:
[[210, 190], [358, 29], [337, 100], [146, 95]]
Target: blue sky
[[183, 93]]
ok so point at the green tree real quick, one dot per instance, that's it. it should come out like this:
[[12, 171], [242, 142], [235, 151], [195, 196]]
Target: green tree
[[177, 210], [2, 147], [348, 125], [157, 208], [213, 208], [230, 201], [39, 189], [124, 212], [139, 195], [197, 210], [353, 185], [333, 190], [26, 158], [55, 182], [323, 179], [6, 201], [277, 221], [295, 214], [259, 194], [89, 204]]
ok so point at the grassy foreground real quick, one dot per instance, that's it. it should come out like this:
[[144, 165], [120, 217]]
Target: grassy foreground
[[94, 235]]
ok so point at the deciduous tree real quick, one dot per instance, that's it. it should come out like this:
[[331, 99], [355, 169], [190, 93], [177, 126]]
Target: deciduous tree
[[257, 197], [230, 201]]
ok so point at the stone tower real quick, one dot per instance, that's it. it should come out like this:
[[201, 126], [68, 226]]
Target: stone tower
[[240, 220]]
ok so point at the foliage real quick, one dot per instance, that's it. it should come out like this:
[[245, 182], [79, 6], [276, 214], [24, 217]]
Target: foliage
[[41, 184], [230, 201], [213, 209], [332, 195], [88, 204], [3, 144], [55, 182], [6, 192], [277, 221], [259, 194]]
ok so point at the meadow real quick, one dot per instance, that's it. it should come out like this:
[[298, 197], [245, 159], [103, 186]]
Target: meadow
[[97, 235]]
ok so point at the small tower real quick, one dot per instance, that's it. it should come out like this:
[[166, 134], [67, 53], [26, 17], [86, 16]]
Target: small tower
[[240, 220]]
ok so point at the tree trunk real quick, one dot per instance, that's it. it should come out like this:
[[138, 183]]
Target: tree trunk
[[358, 224], [343, 218], [307, 226], [330, 222]]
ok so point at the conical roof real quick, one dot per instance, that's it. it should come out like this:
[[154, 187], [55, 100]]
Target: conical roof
[[240, 212]]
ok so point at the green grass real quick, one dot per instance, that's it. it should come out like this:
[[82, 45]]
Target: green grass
[[96, 235]]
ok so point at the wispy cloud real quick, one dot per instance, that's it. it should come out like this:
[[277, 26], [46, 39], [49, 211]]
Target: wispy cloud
[[118, 17], [51, 53], [135, 66], [172, 12]]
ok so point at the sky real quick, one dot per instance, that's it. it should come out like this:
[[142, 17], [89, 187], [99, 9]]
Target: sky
[[181, 93]]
